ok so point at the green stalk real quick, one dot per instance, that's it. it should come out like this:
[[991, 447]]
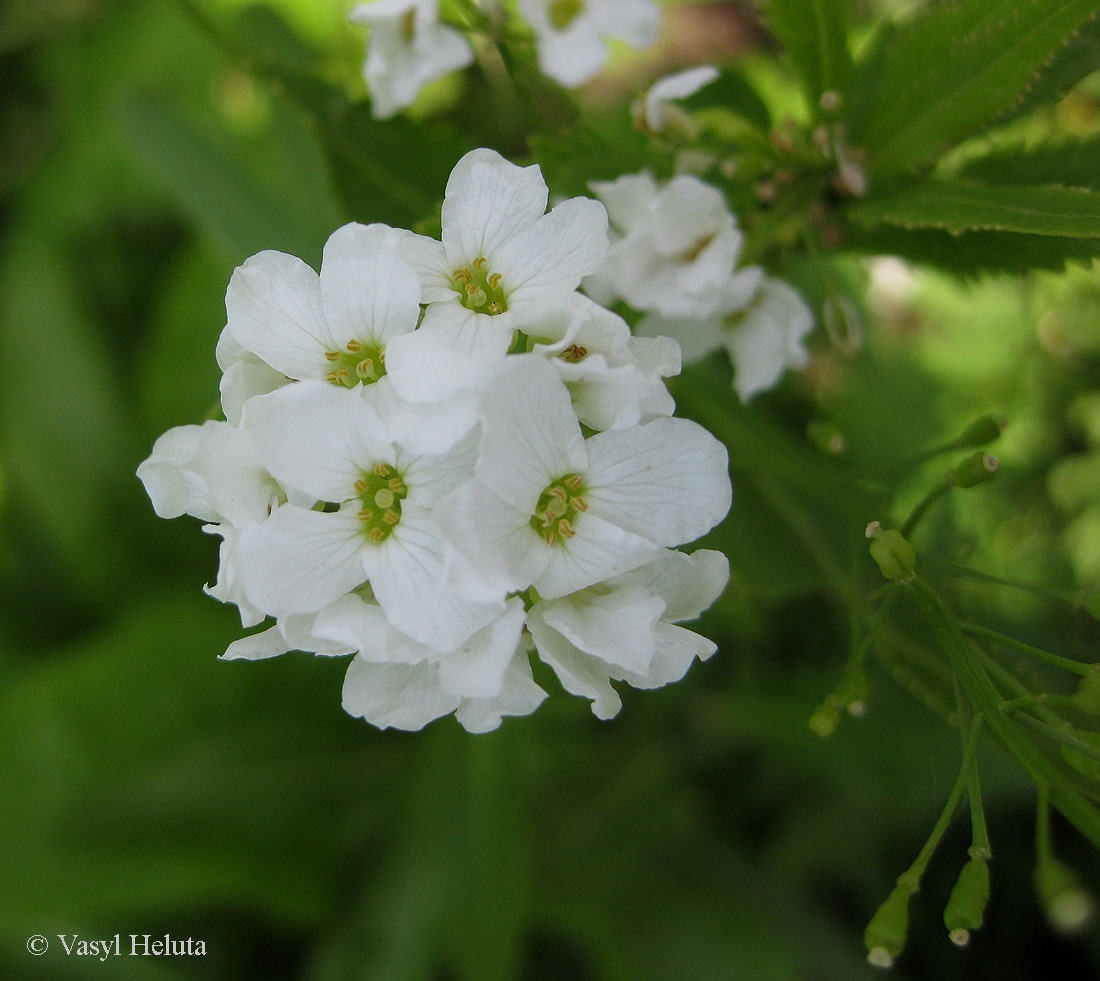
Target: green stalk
[[1078, 667]]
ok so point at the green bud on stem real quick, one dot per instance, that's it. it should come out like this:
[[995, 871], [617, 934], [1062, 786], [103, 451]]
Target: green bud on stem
[[966, 905], [1068, 905], [980, 432], [885, 934], [978, 468], [1087, 696], [894, 555]]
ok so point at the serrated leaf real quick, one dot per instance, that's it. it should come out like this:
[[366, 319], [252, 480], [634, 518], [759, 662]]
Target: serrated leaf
[[732, 92], [1078, 57], [815, 34], [962, 206], [973, 253], [952, 70], [1071, 164]]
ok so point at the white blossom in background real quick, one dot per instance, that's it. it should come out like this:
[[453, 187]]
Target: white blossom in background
[[441, 459], [763, 327], [407, 49], [673, 247], [571, 35], [503, 260], [654, 110]]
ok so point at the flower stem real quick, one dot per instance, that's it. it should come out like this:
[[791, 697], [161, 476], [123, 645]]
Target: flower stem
[[1077, 667]]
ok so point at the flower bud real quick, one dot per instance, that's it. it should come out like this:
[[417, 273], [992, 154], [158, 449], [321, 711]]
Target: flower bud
[[980, 431], [894, 555], [1068, 905], [885, 934], [966, 905], [976, 469], [843, 323]]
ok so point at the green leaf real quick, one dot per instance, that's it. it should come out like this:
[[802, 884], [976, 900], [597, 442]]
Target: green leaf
[[1078, 57], [66, 441], [217, 183], [1070, 164], [815, 34], [961, 206], [730, 91], [972, 253], [952, 70]]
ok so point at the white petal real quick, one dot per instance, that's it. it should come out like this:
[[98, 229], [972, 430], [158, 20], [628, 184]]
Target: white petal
[[228, 587], [634, 21], [453, 350], [406, 572], [519, 696], [399, 695], [677, 648], [488, 201], [298, 629], [256, 647], [491, 547], [476, 669], [226, 461], [616, 627], [628, 198], [244, 380], [173, 489], [429, 259], [361, 626], [369, 293], [318, 438], [696, 336], [579, 673], [552, 256], [570, 57], [422, 427], [274, 310], [530, 434], [666, 481], [687, 583], [299, 561], [679, 85], [768, 338], [598, 551], [430, 477]]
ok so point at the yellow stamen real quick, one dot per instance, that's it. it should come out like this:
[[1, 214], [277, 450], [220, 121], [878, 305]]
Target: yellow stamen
[[478, 262], [354, 346], [332, 355]]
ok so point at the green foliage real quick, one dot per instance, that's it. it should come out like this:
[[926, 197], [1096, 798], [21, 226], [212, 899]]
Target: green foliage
[[951, 71], [1068, 164], [815, 34], [962, 206]]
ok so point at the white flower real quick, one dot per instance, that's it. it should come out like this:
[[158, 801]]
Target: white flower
[[286, 322], [334, 326], [502, 260], [570, 33], [330, 444], [674, 247], [214, 473], [395, 681], [551, 509], [654, 110], [408, 48], [625, 628], [615, 380], [764, 336]]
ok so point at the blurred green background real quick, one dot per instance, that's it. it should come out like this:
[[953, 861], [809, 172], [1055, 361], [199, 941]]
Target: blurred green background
[[707, 833]]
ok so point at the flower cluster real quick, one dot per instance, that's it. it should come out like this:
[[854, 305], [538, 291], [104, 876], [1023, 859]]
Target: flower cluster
[[438, 455], [409, 47], [674, 254]]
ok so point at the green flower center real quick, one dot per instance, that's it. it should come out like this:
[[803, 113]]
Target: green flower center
[[479, 289], [356, 363], [381, 492], [558, 507], [562, 13]]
